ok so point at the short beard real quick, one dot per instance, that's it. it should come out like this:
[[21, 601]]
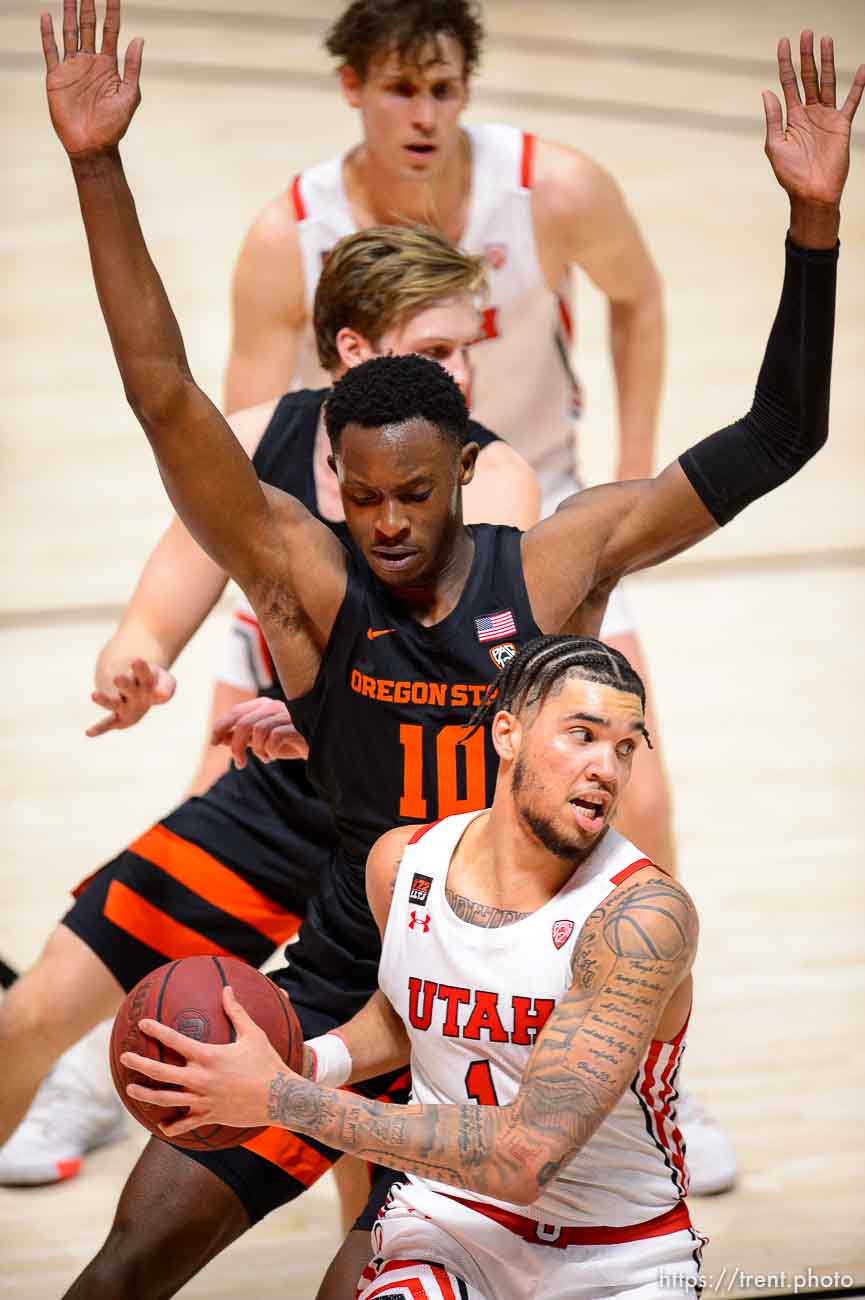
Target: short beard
[[542, 830]]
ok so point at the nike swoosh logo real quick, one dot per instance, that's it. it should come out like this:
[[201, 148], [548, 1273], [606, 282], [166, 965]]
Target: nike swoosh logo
[[384, 632]]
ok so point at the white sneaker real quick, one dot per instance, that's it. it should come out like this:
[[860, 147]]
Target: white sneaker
[[72, 1113], [709, 1152]]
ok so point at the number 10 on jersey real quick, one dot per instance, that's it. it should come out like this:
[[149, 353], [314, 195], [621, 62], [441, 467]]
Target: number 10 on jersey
[[459, 779]]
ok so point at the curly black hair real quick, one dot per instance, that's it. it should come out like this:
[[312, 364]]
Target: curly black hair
[[391, 390], [370, 27]]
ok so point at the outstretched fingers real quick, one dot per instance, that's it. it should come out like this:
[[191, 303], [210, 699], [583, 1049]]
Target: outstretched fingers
[[787, 76], [827, 72], [851, 103], [49, 44], [111, 27], [810, 84], [774, 119], [87, 27], [70, 28], [132, 63]]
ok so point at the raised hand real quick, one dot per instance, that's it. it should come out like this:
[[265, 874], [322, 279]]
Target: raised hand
[[811, 156], [90, 104], [128, 696]]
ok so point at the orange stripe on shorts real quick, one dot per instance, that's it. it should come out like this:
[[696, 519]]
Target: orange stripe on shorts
[[154, 927], [290, 1153], [215, 883]]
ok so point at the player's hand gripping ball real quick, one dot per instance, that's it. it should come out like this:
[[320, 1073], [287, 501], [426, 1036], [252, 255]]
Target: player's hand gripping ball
[[187, 996]]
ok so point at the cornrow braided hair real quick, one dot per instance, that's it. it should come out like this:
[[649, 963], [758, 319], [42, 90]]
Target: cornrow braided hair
[[542, 666]]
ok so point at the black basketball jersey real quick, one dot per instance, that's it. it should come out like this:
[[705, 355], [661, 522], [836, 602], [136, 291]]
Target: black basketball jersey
[[284, 458], [387, 717]]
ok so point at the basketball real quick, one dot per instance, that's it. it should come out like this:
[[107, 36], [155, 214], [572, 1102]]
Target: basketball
[[187, 996]]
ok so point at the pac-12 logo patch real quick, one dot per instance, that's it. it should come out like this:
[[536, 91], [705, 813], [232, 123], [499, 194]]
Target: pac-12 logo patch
[[502, 654], [420, 887], [562, 931]]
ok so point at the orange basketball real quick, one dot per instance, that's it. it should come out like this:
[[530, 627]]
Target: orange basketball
[[187, 996]]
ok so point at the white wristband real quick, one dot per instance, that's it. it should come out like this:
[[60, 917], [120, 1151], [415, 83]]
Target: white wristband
[[331, 1060]]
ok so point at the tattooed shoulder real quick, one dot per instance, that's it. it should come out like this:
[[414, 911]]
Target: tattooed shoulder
[[654, 919]]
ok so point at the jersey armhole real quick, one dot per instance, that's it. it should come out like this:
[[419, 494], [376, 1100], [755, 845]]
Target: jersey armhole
[[527, 161], [421, 831], [635, 866], [297, 198]]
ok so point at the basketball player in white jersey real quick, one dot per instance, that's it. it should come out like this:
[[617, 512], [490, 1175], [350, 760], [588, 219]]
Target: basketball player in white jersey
[[536, 966], [535, 210]]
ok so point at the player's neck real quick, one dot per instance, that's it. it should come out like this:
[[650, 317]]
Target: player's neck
[[496, 864], [434, 600], [376, 197]]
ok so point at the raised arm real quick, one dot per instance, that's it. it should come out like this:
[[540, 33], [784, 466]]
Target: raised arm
[[630, 981], [265, 539], [596, 538], [91, 108], [581, 219]]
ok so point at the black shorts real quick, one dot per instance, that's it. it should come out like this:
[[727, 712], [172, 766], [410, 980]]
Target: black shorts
[[332, 973], [382, 1182], [231, 873]]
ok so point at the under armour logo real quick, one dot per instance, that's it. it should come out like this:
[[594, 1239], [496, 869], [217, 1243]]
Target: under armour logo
[[422, 921]]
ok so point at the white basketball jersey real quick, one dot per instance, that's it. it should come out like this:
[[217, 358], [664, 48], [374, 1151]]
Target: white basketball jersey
[[474, 999], [522, 385]]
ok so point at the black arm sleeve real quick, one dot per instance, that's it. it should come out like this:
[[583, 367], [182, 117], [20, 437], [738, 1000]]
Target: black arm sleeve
[[789, 419]]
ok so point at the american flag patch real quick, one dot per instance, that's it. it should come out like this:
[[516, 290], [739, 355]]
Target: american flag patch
[[492, 627]]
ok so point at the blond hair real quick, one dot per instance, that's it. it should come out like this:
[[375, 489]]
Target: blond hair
[[381, 277]]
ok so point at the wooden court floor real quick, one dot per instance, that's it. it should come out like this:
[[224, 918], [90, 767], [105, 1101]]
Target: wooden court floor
[[754, 639]]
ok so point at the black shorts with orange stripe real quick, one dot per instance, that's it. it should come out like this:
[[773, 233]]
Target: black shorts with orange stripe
[[230, 872]]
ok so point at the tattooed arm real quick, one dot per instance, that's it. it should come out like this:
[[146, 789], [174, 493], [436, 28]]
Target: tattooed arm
[[631, 982], [631, 978]]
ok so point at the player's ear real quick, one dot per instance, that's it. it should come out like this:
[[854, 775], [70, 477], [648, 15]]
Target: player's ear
[[468, 460], [351, 85], [352, 347], [506, 734]]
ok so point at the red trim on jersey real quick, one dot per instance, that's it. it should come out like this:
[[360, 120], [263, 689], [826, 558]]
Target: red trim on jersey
[[263, 648], [412, 1284], [629, 871], [422, 830], [527, 162], [565, 318], [297, 199], [673, 1220], [658, 1115]]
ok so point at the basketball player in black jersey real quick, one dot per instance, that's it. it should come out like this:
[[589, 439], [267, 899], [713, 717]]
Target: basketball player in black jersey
[[232, 870], [418, 620]]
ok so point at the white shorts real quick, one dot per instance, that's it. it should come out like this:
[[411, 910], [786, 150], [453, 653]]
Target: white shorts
[[555, 487], [483, 1260]]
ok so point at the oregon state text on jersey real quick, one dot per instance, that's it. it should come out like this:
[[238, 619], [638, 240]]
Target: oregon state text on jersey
[[387, 717], [526, 328], [473, 1009]]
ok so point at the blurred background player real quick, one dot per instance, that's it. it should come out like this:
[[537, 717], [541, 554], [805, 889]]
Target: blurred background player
[[534, 210], [236, 866]]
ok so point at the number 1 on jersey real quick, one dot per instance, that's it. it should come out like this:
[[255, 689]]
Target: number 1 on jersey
[[450, 742], [479, 1084]]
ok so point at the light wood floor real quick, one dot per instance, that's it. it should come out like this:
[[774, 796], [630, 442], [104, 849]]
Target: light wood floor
[[755, 639]]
